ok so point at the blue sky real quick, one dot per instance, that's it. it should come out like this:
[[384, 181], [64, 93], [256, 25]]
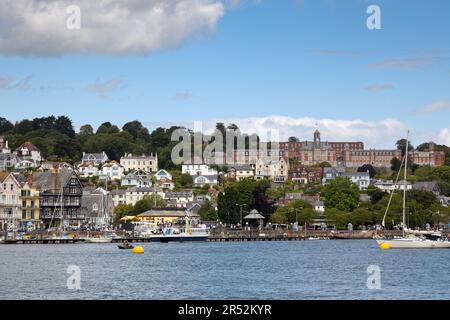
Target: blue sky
[[293, 60]]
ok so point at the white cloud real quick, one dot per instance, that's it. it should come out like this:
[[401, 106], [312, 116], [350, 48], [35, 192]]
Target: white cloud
[[413, 63], [102, 88], [11, 82], [380, 134], [444, 137], [434, 107], [375, 134], [39, 27], [379, 87]]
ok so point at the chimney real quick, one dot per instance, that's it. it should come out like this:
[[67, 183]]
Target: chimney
[[30, 179]]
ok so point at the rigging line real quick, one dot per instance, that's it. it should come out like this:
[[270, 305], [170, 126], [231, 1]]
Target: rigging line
[[392, 193]]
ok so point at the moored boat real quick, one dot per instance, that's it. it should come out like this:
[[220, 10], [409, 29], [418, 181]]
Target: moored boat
[[411, 239]]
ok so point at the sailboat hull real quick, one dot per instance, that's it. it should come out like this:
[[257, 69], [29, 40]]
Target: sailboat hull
[[405, 243], [98, 240]]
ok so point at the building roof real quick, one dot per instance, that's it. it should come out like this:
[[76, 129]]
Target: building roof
[[182, 194], [27, 145], [241, 167], [142, 157], [118, 192], [3, 176], [431, 186], [96, 156], [51, 180], [208, 176], [254, 215], [112, 163]]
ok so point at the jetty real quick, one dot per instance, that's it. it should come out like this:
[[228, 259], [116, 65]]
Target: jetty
[[227, 236]]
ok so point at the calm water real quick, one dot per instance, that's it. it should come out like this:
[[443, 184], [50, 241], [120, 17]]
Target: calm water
[[247, 270]]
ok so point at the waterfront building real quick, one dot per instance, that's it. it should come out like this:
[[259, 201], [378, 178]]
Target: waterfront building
[[30, 215], [9, 201], [164, 216], [95, 158], [98, 207], [143, 162], [60, 197]]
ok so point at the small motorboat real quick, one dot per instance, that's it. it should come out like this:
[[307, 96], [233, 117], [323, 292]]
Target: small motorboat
[[125, 246]]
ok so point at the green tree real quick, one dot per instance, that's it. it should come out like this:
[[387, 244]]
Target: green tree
[[401, 145], [5, 126], [207, 212], [341, 194], [148, 203], [186, 180]]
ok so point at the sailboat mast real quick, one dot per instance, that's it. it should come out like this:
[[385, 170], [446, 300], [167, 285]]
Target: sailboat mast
[[404, 183]]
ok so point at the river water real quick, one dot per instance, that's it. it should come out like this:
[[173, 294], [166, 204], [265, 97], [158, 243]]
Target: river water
[[317, 269]]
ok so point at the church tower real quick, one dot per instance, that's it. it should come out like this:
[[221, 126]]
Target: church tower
[[317, 138]]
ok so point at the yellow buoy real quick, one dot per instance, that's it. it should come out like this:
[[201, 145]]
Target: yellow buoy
[[385, 246], [138, 249]]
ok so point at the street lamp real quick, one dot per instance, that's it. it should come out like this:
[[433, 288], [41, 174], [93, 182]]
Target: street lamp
[[241, 205]]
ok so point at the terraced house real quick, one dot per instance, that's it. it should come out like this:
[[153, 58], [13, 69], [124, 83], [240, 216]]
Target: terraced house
[[9, 201], [60, 198]]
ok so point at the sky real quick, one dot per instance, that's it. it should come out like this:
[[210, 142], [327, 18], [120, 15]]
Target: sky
[[290, 65]]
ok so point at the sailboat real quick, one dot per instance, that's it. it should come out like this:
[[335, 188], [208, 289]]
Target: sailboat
[[411, 239], [105, 219]]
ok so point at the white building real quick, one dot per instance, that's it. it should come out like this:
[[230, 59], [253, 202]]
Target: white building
[[135, 180], [275, 170], [28, 151], [9, 201], [198, 170], [96, 158], [143, 162], [240, 172], [200, 181], [179, 199], [361, 179], [88, 170], [163, 175], [25, 164], [133, 195], [319, 206], [385, 185], [113, 170]]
